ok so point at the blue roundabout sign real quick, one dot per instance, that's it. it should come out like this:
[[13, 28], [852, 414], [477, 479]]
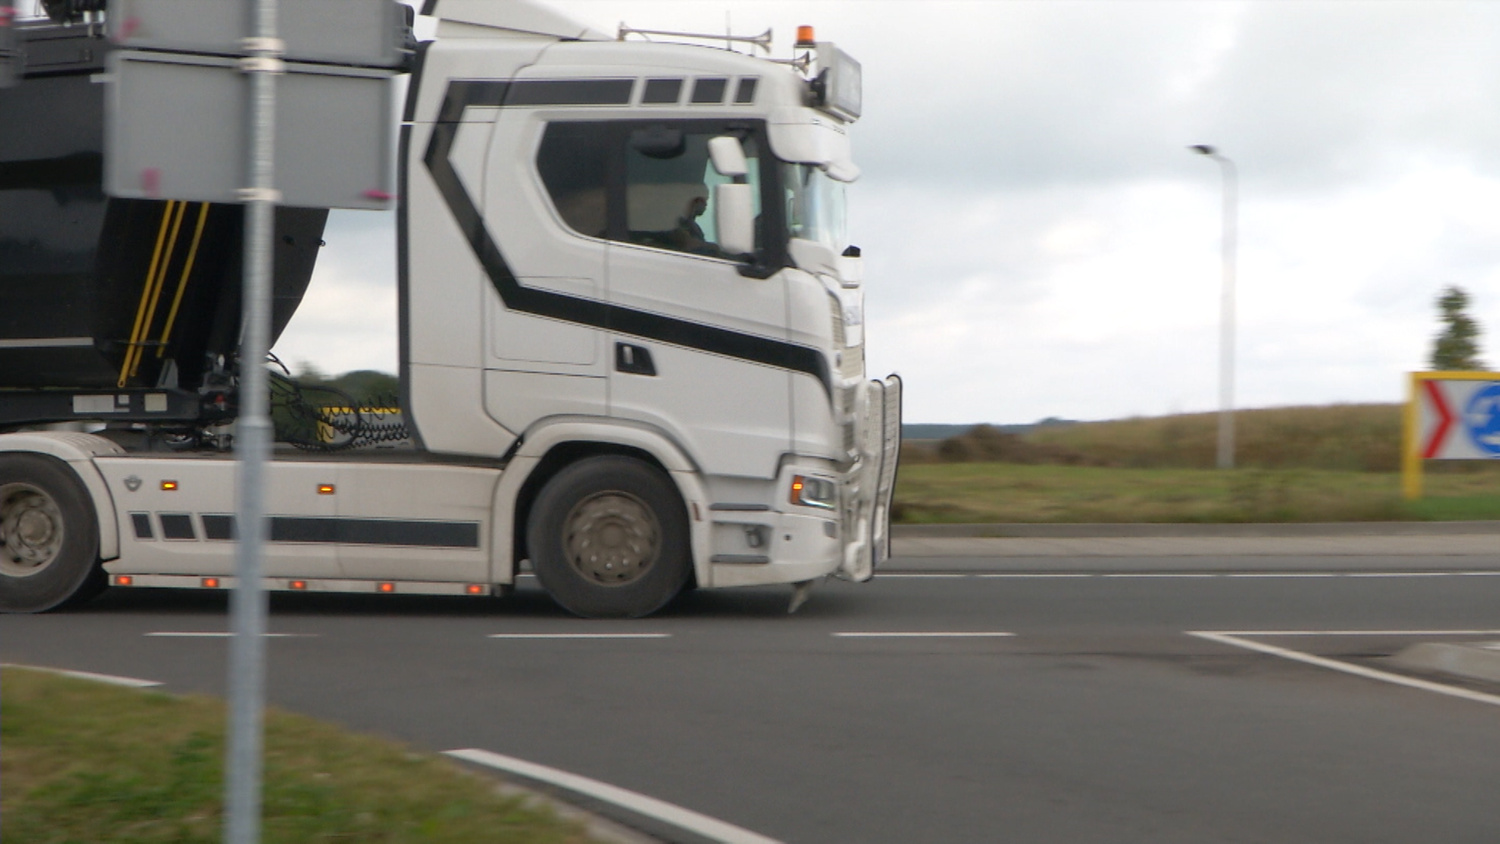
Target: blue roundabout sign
[[1482, 419]]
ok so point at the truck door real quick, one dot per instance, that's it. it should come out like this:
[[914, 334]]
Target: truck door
[[544, 204], [684, 320]]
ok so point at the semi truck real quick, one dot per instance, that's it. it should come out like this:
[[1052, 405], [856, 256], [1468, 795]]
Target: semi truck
[[631, 335]]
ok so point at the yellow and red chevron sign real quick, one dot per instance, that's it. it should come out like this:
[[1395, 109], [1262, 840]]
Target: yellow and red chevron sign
[[1449, 416]]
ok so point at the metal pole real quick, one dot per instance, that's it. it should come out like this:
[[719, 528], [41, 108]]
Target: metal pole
[[1229, 246], [253, 441]]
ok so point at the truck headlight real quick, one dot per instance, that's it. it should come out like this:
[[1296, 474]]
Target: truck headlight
[[808, 491]]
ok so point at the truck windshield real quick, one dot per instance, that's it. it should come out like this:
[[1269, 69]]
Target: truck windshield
[[815, 206]]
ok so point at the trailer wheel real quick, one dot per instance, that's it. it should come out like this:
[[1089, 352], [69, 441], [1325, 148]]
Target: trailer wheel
[[608, 538], [49, 540]]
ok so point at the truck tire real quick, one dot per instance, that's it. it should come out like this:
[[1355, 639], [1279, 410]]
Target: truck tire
[[608, 538], [49, 538]]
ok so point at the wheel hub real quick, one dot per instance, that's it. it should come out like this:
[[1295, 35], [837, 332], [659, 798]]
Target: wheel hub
[[612, 538], [31, 530]]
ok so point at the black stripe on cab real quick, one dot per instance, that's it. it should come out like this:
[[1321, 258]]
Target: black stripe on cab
[[375, 532], [709, 91], [745, 93], [659, 91], [353, 531], [546, 92], [218, 527], [589, 312], [177, 526]]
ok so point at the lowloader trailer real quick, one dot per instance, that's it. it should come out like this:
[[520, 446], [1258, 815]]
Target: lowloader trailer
[[630, 327]]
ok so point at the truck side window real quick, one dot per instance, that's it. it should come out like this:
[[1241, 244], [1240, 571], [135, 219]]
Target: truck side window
[[669, 196], [573, 163]]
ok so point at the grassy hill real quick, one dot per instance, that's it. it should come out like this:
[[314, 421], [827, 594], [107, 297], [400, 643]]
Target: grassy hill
[[1351, 437], [1323, 463]]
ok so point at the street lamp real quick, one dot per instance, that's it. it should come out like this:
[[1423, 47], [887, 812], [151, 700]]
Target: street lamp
[[1226, 306]]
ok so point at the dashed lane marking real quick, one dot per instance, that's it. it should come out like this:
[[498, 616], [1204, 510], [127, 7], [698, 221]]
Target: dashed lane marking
[[924, 634], [1236, 639], [631, 802], [111, 679], [1169, 575], [580, 635], [1283, 574], [1050, 576], [213, 634]]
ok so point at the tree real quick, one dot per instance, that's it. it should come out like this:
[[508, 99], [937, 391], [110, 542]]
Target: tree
[[1457, 347]]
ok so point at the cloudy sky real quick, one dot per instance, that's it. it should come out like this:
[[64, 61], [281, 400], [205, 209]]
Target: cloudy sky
[[1039, 241]]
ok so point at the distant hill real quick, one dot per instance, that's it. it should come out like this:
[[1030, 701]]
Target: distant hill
[[939, 431], [1344, 437]]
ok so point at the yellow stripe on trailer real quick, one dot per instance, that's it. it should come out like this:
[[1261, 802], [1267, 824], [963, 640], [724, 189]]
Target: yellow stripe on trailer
[[138, 331]]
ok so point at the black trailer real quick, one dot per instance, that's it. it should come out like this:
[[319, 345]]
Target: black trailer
[[113, 309]]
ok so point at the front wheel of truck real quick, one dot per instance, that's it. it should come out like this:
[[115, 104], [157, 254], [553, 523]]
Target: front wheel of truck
[[49, 539], [608, 538]]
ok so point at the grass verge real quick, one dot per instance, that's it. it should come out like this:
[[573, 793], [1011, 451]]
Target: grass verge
[[1006, 492], [86, 762]]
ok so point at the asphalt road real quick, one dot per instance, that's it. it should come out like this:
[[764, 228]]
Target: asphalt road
[[1099, 718]]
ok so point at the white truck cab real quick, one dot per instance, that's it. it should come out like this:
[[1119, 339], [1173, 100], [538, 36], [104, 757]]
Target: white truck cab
[[631, 344]]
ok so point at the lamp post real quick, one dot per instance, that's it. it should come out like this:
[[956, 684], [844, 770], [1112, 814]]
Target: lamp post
[[1226, 305]]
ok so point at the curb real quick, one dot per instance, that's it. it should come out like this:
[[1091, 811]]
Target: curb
[[1471, 661], [1115, 531]]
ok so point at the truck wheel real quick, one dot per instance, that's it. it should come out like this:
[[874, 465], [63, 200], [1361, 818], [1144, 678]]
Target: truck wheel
[[608, 538], [49, 540]]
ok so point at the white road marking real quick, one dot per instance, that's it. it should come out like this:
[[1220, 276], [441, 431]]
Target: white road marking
[[1234, 640], [631, 801], [1176, 575], [1275, 574], [1357, 632], [210, 634], [111, 679], [924, 635], [1057, 576], [580, 635], [1187, 575], [1396, 574]]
